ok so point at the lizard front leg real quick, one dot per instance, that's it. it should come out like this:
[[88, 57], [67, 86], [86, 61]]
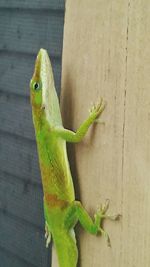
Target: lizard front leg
[[77, 136]]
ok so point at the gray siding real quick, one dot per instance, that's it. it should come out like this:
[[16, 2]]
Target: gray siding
[[25, 27], [57, 5]]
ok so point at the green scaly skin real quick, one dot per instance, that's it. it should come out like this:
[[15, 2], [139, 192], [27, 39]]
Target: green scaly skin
[[61, 209]]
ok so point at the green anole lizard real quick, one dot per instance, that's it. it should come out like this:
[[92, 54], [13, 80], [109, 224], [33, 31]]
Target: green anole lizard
[[61, 210]]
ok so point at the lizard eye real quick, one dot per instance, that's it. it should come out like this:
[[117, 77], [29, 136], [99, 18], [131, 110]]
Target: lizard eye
[[36, 86]]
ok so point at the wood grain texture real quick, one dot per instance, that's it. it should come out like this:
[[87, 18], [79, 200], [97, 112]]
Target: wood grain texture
[[136, 171], [106, 53]]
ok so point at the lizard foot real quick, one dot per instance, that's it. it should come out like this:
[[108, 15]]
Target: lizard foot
[[97, 109], [100, 216]]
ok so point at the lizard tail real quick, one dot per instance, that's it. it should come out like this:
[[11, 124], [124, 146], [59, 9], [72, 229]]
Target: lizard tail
[[66, 249]]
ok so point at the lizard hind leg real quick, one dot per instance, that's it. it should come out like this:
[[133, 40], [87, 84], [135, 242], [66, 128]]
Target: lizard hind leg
[[76, 212]]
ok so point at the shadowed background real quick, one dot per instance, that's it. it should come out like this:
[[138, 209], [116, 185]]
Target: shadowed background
[[25, 27]]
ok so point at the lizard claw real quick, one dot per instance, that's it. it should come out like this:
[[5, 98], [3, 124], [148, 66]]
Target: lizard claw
[[98, 108]]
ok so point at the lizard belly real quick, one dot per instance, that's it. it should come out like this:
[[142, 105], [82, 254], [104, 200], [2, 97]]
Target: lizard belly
[[55, 169]]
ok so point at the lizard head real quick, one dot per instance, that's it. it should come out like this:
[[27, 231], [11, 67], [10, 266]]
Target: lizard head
[[36, 85], [43, 94]]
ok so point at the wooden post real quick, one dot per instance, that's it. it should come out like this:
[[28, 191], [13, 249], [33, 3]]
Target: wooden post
[[106, 53]]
